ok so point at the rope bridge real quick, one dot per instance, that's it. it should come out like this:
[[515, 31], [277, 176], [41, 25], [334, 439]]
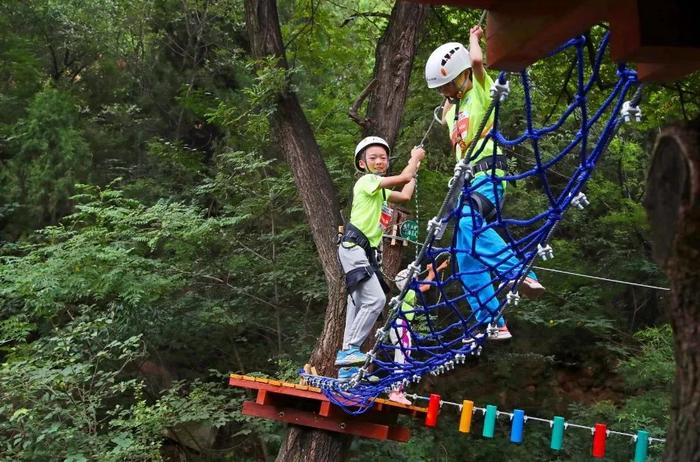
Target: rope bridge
[[448, 324]]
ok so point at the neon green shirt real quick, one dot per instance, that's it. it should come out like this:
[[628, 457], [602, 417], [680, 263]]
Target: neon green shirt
[[408, 305], [472, 108], [367, 201]]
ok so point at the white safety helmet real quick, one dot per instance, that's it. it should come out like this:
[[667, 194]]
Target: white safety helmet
[[446, 63], [364, 144], [401, 279]]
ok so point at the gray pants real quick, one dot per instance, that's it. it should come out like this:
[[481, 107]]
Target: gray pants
[[365, 303]]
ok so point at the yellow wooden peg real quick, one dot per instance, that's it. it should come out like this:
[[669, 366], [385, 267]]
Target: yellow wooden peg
[[465, 420]]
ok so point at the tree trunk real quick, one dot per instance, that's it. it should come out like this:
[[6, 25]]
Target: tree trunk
[[673, 206], [393, 61], [322, 211]]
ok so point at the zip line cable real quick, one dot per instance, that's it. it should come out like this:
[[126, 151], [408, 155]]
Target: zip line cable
[[554, 270], [616, 281]]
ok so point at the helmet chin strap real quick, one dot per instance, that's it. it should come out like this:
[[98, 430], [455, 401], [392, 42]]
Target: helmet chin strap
[[460, 90]]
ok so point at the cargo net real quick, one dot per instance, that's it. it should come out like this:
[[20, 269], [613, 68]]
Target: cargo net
[[489, 257]]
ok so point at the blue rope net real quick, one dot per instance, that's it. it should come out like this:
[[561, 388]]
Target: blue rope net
[[449, 322]]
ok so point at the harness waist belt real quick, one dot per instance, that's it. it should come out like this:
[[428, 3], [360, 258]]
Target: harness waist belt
[[354, 235], [488, 164]]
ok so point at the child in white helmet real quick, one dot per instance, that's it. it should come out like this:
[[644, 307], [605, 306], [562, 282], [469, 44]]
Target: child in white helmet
[[362, 237], [400, 334], [459, 75]]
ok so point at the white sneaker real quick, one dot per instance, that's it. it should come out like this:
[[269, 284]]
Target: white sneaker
[[498, 333]]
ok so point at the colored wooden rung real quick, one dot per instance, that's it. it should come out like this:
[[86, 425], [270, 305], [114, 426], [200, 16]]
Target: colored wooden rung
[[640, 449], [465, 420], [489, 421], [557, 433], [599, 437], [516, 428], [433, 410]]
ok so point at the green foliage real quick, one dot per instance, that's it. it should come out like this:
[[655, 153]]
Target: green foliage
[[56, 390], [153, 232], [51, 155]]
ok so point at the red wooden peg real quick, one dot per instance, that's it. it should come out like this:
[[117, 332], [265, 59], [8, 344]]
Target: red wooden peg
[[599, 435], [433, 409]]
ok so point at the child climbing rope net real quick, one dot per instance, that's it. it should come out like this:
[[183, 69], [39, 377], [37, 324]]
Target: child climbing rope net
[[450, 330]]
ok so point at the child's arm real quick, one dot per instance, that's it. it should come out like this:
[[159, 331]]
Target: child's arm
[[476, 55], [431, 274], [405, 178]]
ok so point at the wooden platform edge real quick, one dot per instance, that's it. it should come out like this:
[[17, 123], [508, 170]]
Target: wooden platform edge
[[307, 406]]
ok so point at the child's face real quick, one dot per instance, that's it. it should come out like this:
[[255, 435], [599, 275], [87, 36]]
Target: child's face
[[458, 87], [375, 160]]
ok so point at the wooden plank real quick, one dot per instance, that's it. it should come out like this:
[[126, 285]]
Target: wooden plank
[[667, 72], [516, 38], [284, 390], [292, 389], [339, 425], [399, 433]]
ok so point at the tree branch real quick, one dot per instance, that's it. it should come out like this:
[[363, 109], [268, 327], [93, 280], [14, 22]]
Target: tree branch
[[361, 121], [368, 14]]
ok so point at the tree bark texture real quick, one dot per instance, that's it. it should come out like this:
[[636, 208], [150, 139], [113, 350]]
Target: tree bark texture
[[322, 210], [673, 207], [394, 57]]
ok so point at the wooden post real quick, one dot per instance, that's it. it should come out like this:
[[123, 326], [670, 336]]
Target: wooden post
[[393, 248]]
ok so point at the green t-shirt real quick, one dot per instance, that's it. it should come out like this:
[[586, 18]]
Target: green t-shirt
[[408, 305], [367, 202], [472, 108]]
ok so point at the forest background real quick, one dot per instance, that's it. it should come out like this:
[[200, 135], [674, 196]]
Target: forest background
[[153, 239]]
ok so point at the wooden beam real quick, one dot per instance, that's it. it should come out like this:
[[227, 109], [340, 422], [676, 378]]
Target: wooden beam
[[520, 36], [668, 72], [345, 424]]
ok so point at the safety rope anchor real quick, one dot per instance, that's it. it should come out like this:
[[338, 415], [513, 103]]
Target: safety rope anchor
[[500, 91], [380, 334], [512, 298], [630, 112], [580, 201], [545, 252], [437, 228]]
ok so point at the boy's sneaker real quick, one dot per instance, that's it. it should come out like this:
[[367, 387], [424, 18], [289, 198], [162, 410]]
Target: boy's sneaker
[[530, 287], [399, 397], [498, 333], [347, 373], [350, 357]]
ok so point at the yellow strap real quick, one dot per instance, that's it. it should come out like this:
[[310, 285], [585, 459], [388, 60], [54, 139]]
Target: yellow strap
[[465, 146]]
